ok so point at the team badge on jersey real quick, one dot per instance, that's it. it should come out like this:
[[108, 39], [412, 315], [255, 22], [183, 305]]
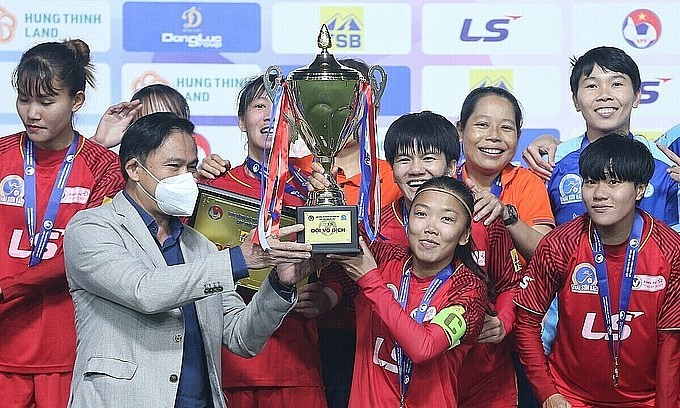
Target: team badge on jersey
[[12, 191], [584, 279], [570, 189]]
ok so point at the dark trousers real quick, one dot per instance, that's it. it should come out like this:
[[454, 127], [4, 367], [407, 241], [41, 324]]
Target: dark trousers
[[337, 363], [525, 394]]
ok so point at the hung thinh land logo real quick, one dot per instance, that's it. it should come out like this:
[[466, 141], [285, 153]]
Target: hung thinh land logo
[[345, 25]]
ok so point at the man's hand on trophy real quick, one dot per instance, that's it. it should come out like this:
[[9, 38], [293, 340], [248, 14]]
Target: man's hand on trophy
[[213, 166], [279, 252], [318, 180], [291, 272]]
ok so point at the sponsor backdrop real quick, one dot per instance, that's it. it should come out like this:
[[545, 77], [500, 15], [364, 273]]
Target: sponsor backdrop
[[433, 51]]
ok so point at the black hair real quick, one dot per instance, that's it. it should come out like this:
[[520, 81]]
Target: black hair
[[472, 99], [617, 156], [47, 68], [147, 134], [429, 131], [253, 88], [357, 64], [609, 59], [465, 253], [161, 97]]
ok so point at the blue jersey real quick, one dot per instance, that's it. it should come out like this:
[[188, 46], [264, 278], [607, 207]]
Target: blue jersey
[[661, 198], [671, 139]]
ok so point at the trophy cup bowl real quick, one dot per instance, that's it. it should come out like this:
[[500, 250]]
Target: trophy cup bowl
[[324, 98]]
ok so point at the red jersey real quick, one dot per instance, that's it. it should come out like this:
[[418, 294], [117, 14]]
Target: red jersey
[[487, 375], [290, 357], [383, 322], [581, 364], [36, 310]]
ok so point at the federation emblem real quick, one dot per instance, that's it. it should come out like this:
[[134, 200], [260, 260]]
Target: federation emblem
[[12, 190], [215, 212], [641, 28], [570, 189], [584, 279]]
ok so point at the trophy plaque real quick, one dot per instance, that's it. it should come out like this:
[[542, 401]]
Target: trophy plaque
[[226, 218], [325, 112]]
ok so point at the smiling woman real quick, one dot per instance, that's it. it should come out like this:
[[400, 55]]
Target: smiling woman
[[490, 125]]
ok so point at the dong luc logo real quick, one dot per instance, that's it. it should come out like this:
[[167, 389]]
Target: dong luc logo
[[494, 30]]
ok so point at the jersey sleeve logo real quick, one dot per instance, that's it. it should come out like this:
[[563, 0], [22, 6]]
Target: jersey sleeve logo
[[584, 279], [12, 191], [570, 189], [516, 262]]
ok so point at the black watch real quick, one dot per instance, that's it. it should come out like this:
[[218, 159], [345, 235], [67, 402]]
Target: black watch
[[512, 215]]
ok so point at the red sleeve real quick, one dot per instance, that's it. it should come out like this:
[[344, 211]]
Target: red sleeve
[[669, 315], [668, 370], [528, 335], [104, 165], [505, 271], [419, 342], [541, 280], [49, 272], [384, 252], [109, 182], [505, 309], [504, 267]]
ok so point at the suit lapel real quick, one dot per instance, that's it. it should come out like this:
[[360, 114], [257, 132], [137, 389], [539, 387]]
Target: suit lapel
[[132, 222]]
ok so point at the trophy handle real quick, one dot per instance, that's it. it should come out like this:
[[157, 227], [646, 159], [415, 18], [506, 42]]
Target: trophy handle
[[378, 88], [272, 80]]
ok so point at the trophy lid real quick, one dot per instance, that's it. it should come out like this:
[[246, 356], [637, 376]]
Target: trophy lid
[[325, 67]]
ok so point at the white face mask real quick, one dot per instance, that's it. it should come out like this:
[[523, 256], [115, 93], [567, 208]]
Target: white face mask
[[175, 195]]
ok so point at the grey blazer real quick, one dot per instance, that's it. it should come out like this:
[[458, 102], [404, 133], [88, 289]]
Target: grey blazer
[[128, 322]]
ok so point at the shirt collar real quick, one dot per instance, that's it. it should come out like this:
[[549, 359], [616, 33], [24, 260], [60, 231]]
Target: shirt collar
[[176, 226]]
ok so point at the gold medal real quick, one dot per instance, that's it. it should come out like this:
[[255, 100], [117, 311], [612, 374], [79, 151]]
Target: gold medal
[[615, 374]]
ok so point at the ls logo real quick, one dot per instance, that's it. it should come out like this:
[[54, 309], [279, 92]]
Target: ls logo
[[588, 333], [649, 90], [495, 30], [387, 365], [15, 250]]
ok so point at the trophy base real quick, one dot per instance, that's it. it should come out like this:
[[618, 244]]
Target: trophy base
[[330, 229]]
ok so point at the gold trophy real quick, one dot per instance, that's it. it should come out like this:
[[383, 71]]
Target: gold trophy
[[325, 98]]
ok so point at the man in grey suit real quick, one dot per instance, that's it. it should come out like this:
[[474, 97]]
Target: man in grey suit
[[154, 299]]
